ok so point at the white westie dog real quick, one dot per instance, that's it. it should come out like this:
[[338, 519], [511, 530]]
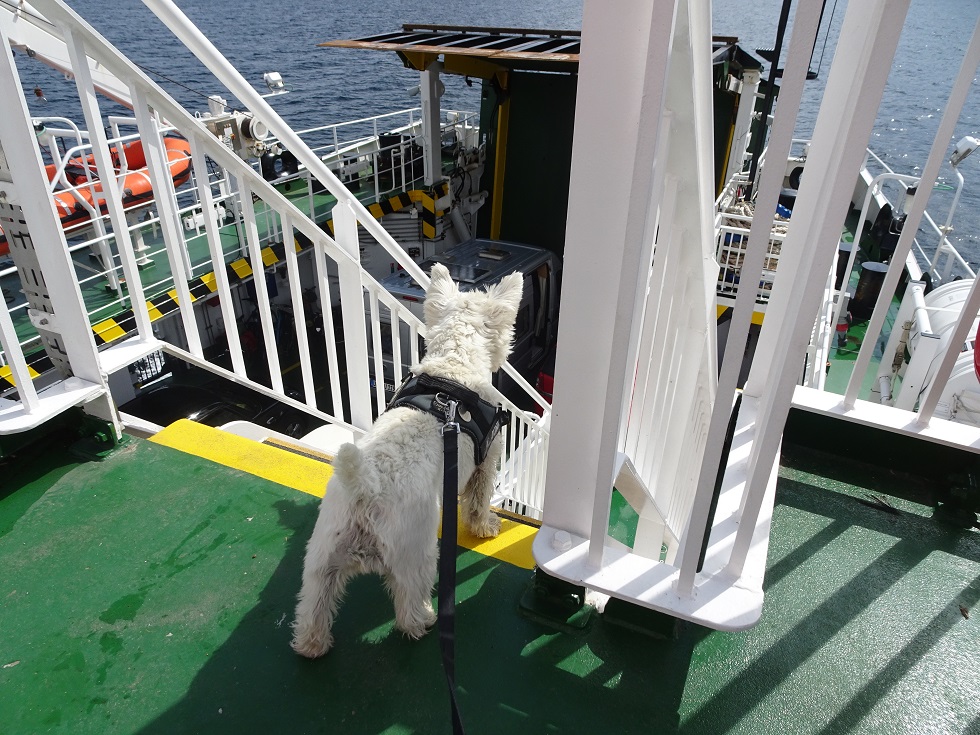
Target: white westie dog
[[381, 510]]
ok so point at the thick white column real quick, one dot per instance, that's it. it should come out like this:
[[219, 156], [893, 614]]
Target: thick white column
[[621, 85]]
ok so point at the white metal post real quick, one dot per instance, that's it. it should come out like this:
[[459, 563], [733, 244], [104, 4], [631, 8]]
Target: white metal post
[[429, 85], [352, 307], [299, 310], [743, 120], [258, 281], [213, 234], [593, 372], [804, 32], [867, 44]]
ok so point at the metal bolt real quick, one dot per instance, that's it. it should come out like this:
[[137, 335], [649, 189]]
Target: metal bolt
[[561, 541]]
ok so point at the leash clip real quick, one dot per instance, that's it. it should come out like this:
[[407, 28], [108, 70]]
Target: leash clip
[[449, 406]]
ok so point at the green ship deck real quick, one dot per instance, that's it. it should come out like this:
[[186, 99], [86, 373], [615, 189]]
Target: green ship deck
[[152, 593]]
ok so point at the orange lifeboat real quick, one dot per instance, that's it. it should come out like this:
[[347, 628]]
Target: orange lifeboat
[[135, 184]]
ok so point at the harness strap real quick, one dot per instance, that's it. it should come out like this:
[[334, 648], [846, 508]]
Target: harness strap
[[447, 560], [482, 420]]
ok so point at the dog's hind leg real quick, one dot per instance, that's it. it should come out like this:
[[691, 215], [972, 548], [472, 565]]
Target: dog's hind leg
[[409, 561], [475, 498], [326, 571]]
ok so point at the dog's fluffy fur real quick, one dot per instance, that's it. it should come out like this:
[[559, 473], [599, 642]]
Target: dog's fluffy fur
[[381, 510]]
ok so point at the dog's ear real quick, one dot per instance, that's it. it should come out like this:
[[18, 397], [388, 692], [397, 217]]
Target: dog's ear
[[508, 291], [441, 289], [503, 301]]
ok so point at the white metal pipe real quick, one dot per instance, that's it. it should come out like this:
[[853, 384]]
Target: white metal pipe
[[947, 126], [846, 118], [377, 357], [217, 256], [743, 121], [805, 26], [261, 289], [352, 308], [329, 332], [299, 310]]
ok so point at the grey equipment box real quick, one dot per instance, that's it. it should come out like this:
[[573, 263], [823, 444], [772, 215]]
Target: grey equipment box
[[478, 263]]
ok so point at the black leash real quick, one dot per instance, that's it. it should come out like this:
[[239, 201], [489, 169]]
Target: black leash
[[447, 557]]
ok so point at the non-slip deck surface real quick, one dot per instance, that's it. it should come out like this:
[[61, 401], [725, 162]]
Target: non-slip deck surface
[[152, 593]]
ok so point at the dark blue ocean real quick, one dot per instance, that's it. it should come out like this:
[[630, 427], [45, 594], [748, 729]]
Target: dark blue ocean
[[332, 85]]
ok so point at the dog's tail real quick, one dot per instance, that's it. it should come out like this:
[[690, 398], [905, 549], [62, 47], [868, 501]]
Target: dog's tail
[[357, 476]]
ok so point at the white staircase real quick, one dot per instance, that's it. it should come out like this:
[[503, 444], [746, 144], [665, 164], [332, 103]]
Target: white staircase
[[271, 230]]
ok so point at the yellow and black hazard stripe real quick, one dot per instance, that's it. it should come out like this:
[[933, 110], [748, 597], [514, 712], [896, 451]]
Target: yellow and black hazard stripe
[[124, 323], [430, 215], [394, 204], [398, 202], [37, 364]]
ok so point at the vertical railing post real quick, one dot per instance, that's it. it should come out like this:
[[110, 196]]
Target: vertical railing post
[[791, 91], [854, 88], [299, 309], [165, 202], [352, 308], [213, 234]]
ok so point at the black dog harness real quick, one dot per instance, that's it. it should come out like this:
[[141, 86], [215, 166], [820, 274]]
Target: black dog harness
[[458, 409], [480, 419]]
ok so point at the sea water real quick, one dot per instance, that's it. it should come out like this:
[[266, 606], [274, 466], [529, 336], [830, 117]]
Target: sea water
[[329, 85]]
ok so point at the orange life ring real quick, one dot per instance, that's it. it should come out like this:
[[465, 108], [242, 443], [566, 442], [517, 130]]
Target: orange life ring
[[135, 185]]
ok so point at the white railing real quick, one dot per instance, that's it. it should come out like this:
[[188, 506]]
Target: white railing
[[923, 372], [209, 279], [378, 155], [731, 244]]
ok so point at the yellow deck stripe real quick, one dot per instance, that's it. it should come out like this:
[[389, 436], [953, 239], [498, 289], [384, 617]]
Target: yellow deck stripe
[[269, 463], [512, 545]]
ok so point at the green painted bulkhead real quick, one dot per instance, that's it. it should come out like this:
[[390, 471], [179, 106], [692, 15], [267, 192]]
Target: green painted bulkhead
[[527, 114], [540, 122], [538, 159]]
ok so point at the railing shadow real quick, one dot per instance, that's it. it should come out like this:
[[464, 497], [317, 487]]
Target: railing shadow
[[862, 600]]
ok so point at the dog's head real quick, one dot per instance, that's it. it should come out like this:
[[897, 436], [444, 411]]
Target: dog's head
[[474, 321]]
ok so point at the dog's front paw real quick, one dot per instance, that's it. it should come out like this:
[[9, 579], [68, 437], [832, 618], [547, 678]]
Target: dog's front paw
[[485, 526]]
